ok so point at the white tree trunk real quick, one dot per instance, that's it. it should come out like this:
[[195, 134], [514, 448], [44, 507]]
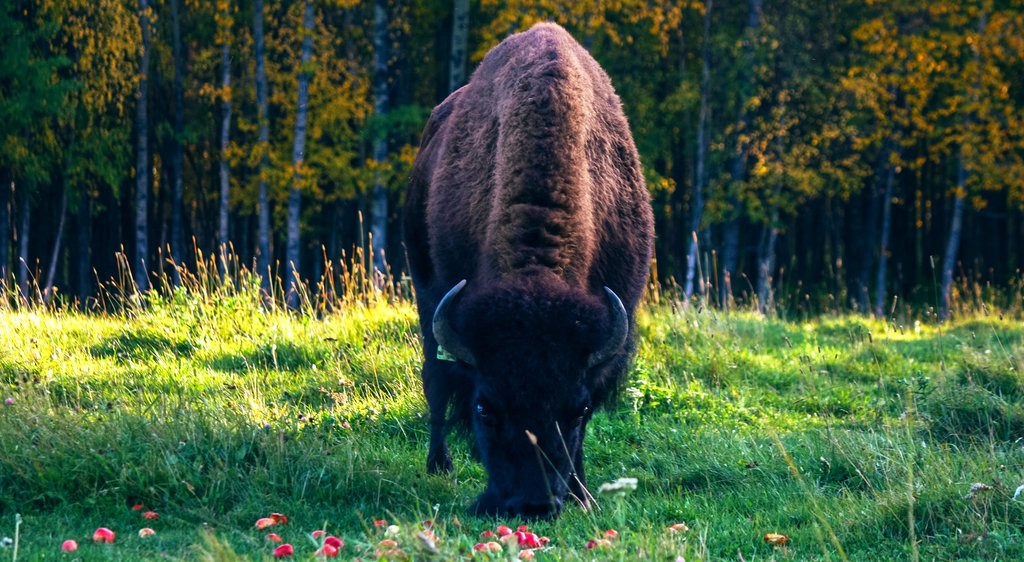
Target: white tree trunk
[[51, 272], [379, 209], [460, 33], [24, 216], [225, 141], [298, 154], [177, 252], [142, 154], [263, 263], [883, 250], [700, 173], [953, 243]]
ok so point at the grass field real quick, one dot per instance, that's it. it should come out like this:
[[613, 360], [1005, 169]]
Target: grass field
[[857, 439]]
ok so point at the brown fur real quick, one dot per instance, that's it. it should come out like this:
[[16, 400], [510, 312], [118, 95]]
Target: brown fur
[[529, 186], [530, 169]]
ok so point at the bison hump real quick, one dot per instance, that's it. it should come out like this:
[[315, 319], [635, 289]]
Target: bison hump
[[529, 176], [543, 211]]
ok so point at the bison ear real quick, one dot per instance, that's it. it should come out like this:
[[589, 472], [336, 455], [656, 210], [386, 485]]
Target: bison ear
[[616, 338], [448, 339]]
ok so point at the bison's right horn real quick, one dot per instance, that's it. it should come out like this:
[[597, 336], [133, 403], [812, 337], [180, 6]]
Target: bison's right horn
[[617, 338], [445, 334]]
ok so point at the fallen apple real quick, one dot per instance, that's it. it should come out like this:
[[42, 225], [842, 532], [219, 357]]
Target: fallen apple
[[327, 551]]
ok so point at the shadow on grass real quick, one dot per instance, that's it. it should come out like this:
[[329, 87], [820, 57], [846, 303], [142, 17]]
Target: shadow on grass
[[141, 345], [216, 460], [280, 355]]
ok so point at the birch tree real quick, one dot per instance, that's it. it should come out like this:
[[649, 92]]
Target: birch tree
[[298, 153], [142, 155], [177, 249], [263, 148], [381, 101], [700, 170], [223, 18], [460, 35]]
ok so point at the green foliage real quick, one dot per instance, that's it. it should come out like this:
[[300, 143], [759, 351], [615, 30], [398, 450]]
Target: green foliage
[[810, 104], [94, 129], [31, 97]]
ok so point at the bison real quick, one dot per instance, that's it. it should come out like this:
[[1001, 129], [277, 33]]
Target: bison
[[529, 234]]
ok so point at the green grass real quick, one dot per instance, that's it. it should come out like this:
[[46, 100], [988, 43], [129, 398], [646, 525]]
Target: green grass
[[858, 439]]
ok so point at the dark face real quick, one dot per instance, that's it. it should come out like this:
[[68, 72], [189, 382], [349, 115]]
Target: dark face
[[529, 433], [540, 357]]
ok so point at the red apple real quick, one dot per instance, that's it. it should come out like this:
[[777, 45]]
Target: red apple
[[528, 540], [327, 551]]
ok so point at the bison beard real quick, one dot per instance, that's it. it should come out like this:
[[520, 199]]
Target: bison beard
[[530, 236]]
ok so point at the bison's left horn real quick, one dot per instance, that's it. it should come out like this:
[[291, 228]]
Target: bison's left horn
[[619, 332], [443, 331]]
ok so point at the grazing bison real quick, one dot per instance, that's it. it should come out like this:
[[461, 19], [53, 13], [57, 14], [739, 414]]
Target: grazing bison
[[529, 233]]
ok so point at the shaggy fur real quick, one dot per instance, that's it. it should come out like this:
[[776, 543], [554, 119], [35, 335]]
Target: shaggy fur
[[528, 186]]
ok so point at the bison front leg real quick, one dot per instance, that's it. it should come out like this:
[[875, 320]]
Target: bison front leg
[[439, 387]]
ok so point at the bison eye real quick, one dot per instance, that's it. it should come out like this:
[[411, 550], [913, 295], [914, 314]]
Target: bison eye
[[484, 412], [582, 416]]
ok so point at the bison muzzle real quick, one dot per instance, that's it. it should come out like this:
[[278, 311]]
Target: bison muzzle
[[530, 236]]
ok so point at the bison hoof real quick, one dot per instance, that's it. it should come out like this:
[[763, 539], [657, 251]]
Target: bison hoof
[[439, 464]]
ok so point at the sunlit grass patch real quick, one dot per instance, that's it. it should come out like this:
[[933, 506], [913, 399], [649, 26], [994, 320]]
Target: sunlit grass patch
[[214, 411]]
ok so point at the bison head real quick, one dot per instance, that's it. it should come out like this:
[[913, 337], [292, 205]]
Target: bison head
[[538, 356]]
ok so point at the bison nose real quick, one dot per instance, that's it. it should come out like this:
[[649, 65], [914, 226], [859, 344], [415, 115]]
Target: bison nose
[[534, 508]]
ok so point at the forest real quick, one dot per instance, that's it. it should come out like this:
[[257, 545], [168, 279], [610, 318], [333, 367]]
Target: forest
[[847, 155]]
